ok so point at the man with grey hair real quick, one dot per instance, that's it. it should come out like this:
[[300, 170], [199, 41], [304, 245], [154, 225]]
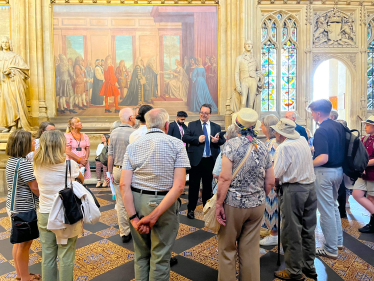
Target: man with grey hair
[[152, 179], [119, 140], [334, 114], [300, 129]]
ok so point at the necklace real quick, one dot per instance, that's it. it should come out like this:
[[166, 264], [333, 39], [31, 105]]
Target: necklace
[[80, 138]]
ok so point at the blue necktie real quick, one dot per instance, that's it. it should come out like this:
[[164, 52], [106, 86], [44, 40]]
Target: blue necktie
[[207, 145]]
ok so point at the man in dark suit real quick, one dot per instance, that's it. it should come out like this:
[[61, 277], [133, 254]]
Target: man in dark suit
[[300, 129], [178, 128], [203, 139]]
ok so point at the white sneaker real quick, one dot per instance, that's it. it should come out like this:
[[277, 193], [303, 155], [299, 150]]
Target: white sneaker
[[269, 241], [322, 252]]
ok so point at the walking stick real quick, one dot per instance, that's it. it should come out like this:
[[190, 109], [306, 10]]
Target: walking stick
[[279, 226]]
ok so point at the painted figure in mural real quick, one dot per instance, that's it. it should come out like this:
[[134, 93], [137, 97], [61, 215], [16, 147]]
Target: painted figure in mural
[[212, 79], [185, 64], [207, 65], [248, 76], [122, 78], [13, 73], [151, 85], [79, 81], [200, 93], [64, 89], [177, 86], [110, 85], [135, 93], [98, 81], [89, 77], [191, 68], [57, 62]]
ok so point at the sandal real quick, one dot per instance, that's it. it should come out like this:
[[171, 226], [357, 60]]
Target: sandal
[[34, 277]]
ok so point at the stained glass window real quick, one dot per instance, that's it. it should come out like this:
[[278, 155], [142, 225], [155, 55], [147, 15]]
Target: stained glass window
[[274, 31], [264, 32], [269, 68], [370, 70], [284, 31], [279, 16], [294, 31], [288, 82]]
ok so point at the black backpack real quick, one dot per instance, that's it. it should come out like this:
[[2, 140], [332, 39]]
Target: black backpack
[[104, 156], [356, 156]]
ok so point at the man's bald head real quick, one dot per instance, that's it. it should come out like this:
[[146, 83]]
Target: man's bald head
[[290, 115], [157, 118], [126, 116]]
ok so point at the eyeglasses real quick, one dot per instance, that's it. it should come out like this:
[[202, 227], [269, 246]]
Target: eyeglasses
[[204, 113]]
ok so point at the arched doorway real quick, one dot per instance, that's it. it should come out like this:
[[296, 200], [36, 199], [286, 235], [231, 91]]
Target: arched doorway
[[332, 80]]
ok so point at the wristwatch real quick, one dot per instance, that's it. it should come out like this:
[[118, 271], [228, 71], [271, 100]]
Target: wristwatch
[[133, 217]]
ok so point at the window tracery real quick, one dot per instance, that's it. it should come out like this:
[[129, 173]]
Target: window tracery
[[370, 65]]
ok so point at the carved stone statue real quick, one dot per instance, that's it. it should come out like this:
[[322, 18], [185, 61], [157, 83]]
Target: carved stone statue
[[249, 79], [13, 73]]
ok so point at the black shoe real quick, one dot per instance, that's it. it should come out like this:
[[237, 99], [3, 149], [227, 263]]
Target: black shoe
[[191, 215], [367, 228], [76, 105], [108, 111], [86, 106], [81, 108], [116, 111], [173, 261], [59, 110], [126, 238], [72, 111], [66, 109], [310, 274]]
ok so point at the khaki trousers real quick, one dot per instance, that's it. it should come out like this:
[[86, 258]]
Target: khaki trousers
[[242, 225], [123, 218]]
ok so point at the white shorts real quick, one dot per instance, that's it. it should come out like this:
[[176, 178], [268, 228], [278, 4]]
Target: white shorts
[[364, 185]]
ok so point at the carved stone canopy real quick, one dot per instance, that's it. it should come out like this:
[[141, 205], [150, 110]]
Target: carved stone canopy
[[334, 29]]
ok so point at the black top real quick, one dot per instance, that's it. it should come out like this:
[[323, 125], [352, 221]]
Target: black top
[[301, 130], [195, 149], [329, 139]]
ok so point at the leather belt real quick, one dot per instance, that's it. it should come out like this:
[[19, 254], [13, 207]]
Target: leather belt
[[141, 191], [117, 166]]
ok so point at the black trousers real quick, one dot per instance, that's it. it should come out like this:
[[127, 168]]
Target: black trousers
[[342, 197], [204, 171]]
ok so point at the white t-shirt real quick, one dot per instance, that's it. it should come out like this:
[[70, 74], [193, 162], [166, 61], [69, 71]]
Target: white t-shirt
[[138, 133], [51, 179], [99, 149]]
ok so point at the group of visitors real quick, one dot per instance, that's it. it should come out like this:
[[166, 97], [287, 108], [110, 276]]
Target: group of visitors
[[148, 165]]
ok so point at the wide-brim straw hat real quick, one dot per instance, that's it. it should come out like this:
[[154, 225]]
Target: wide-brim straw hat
[[370, 120], [247, 117], [286, 128]]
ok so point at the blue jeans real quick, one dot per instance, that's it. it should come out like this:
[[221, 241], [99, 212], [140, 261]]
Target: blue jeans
[[327, 186]]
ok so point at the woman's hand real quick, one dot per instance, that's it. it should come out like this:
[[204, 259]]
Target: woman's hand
[[83, 161], [220, 214]]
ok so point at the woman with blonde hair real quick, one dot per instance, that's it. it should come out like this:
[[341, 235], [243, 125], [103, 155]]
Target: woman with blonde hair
[[177, 87], [50, 167], [78, 146], [110, 85], [19, 145]]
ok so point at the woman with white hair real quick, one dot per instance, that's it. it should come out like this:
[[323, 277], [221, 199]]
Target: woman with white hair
[[271, 203]]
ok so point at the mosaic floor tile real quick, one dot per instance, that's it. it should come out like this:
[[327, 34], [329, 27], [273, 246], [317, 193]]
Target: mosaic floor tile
[[36, 246], [33, 259], [98, 258], [198, 212], [174, 277], [3, 210], [103, 202], [109, 217], [5, 222], [185, 230], [8, 276], [109, 232], [85, 233], [4, 235]]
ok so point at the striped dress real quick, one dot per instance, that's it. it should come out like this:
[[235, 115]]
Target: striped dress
[[270, 220], [24, 197]]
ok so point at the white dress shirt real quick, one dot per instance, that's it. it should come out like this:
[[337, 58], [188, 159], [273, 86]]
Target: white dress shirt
[[138, 133], [293, 162], [208, 130]]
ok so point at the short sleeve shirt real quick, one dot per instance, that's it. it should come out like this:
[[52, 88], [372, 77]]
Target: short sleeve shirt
[[369, 171], [25, 200], [247, 188], [153, 158], [271, 146], [329, 139]]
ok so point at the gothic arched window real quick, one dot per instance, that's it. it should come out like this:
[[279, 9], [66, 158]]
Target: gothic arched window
[[279, 62], [370, 66]]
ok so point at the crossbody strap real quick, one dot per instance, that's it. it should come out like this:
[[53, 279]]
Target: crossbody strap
[[68, 170], [15, 183], [243, 161]]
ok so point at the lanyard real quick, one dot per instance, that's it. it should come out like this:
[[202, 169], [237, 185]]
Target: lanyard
[[76, 140]]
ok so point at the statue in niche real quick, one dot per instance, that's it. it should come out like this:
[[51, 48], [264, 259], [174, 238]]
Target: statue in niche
[[13, 75], [334, 29], [249, 80]]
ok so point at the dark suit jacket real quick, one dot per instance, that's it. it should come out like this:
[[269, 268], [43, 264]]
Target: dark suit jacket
[[195, 149], [301, 130], [174, 130]]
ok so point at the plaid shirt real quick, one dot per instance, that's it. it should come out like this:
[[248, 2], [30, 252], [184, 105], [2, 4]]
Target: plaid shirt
[[119, 140], [152, 158]]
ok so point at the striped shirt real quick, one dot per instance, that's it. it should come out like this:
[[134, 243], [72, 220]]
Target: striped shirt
[[293, 162], [153, 158], [24, 197], [119, 140]]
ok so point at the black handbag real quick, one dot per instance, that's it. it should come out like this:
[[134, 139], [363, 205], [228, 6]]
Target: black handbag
[[89, 190], [72, 204], [24, 224]]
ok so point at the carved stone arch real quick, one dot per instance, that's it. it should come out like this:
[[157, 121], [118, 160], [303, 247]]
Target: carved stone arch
[[270, 16], [349, 60], [268, 25], [294, 18]]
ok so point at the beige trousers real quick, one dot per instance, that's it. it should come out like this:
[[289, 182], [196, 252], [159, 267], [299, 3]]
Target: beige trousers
[[123, 218], [242, 225]]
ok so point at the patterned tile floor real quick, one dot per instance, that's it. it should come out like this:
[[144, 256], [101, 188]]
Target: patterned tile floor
[[101, 255]]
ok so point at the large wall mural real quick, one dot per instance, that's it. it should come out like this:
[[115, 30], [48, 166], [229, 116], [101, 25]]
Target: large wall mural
[[110, 57]]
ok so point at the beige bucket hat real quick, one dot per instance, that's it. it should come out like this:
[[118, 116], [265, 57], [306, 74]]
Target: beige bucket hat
[[286, 128]]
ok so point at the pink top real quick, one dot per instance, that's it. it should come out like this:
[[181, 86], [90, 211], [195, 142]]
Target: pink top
[[73, 144]]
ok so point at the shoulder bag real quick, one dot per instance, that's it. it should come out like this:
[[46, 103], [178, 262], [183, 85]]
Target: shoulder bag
[[24, 224], [209, 209], [72, 204]]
